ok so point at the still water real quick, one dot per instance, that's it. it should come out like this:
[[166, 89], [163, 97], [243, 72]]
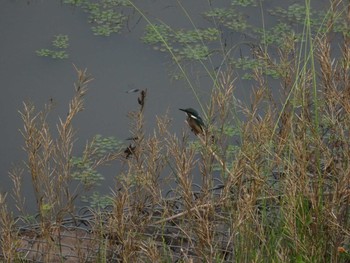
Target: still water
[[117, 63]]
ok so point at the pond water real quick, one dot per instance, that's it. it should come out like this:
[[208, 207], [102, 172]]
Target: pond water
[[117, 63]]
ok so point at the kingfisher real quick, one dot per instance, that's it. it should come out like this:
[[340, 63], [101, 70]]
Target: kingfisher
[[194, 121]]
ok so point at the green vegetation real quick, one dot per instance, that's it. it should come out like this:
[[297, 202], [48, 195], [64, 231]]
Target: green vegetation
[[273, 172], [99, 150], [106, 16], [58, 51], [182, 44]]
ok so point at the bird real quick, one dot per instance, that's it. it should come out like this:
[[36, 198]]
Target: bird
[[194, 121]]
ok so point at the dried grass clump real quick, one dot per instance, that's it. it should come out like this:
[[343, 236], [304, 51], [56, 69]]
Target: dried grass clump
[[273, 176]]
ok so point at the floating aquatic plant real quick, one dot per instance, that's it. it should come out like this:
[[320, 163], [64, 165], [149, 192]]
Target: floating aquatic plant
[[58, 51], [184, 44], [106, 17]]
